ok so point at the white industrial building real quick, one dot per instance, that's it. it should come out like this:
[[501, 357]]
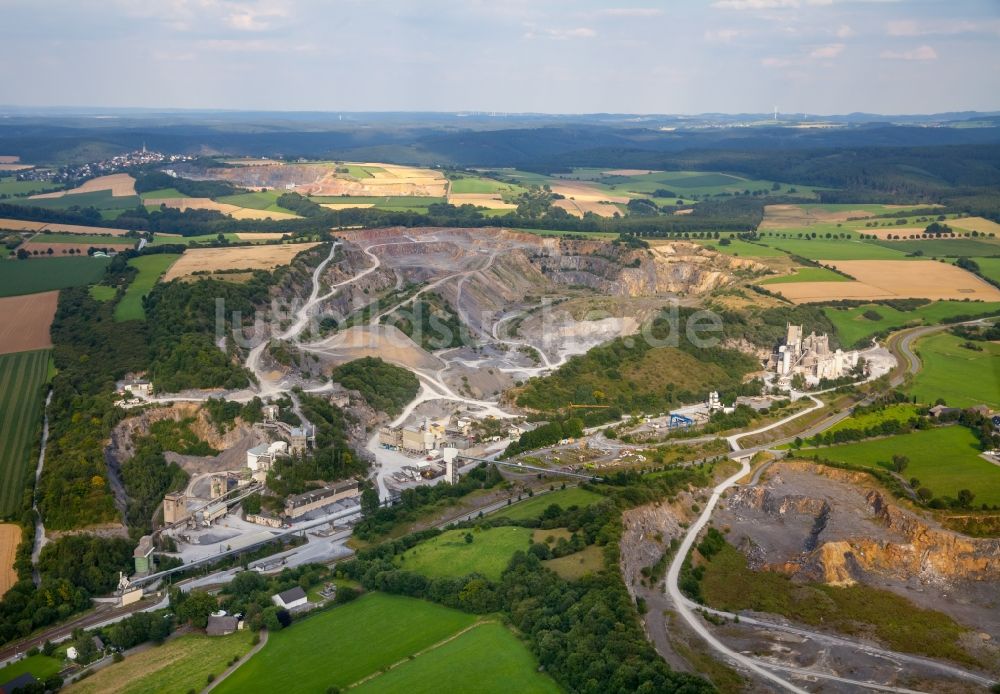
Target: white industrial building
[[811, 357]]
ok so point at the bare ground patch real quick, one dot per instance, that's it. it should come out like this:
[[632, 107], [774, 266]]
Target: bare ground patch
[[26, 321]]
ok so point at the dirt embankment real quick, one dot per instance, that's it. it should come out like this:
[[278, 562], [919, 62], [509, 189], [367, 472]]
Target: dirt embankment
[[823, 524]]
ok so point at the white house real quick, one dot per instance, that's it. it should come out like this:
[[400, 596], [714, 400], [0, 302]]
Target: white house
[[291, 598]]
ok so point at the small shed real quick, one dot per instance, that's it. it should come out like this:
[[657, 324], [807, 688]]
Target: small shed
[[291, 598], [221, 625]]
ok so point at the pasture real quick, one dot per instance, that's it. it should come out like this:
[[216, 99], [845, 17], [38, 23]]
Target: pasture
[[169, 240], [41, 666], [163, 193], [14, 188], [486, 659], [261, 200], [151, 268], [21, 378], [450, 555], [178, 666], [575, 566], [100, 199], [10, 538], [990, 267], [26, 321], [945, 248], [807, 274], [963, 377], [836, 249], [741, 248], [343, 645], [19, 277], [894, 413], [852, 325], [209, 260], [468, 184], [944, 459], [565, 498], [823, 214]]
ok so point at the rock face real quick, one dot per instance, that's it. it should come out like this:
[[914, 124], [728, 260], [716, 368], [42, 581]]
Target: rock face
[[816, 523], [123, 435], [842, 539]]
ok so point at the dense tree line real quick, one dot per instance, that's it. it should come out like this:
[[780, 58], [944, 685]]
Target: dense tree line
[[545, 435], [386, 387], [189, 188]]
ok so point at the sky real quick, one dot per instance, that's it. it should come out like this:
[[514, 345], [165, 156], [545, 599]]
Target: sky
[[549, 56]]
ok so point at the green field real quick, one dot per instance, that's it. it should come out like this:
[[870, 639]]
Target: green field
[[262, 200], [486, 659], [533, 507], [41, 666], [101, 199], [739, 247], [44, 274], [102, 292], [180, 665], [696, 183], [558, 232], [840, 249], [12, 187], [989, 267], [807, 274], [480, 185], [81, 239], [151, 268], [340, 646], [852, 326], [899, 413], [575, 566], [945, 248], [21, 377], [160, 240], [944, 459], [963, 377], [449, 555]]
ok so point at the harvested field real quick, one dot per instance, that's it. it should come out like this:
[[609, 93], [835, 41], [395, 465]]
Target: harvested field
[[26, 321], [10, 537], [207, 204], [120, 185], [585, 192], [258, 236], [983, 226], [889, 279], [15, 167], [323, 179], [578, 208], [60, 249], [208, 260], [491, 201], [798, 216], [687, 211], [21, 225], [346, 205], [9, 159], [26, 225]]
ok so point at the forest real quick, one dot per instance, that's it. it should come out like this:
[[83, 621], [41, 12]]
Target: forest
[[386, 387]]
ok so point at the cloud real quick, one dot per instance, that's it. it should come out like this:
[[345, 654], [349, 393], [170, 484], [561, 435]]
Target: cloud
[[777, 62], [829, 51], [559, 34], [631, 12], [722, 35], [919, 53], [943, 27], [844, 32], [754, 4]]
